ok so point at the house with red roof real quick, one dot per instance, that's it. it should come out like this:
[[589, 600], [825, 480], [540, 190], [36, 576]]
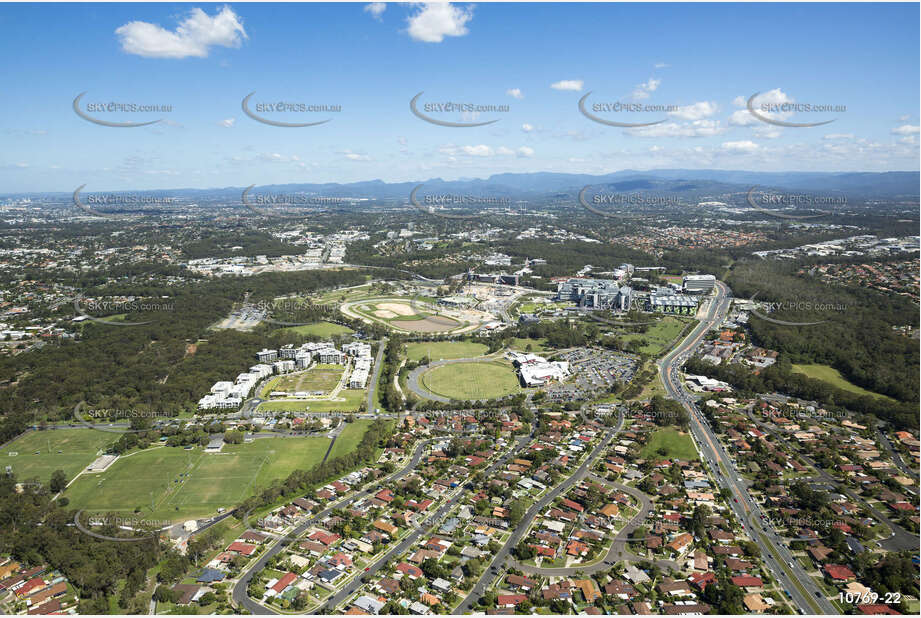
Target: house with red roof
[[322, 536], [702, 580], [244, 549], [838, 572], [408, 569], [286, 580], [571, 504], [510, 600], [748, 582], [876, 609]]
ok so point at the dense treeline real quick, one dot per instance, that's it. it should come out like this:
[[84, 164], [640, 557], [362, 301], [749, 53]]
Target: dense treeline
[[161, 364], [780, 378], [854, 335], [35, 531]]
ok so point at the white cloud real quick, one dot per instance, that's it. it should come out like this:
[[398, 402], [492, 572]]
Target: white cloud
[[505, 151], [228, 122], [524, 151], [697, 128], [642, 90], [527, 128], [433, 21], [655, 148], [904, 117], [568, 84], [906, 129], [354, 156], [478, 151], [661, 65], [376, 9], [739, 101], [767, 132], [192, 38], [515, 93], [695, 111], [909, 140], [838, 136], [742, 146], [742, 118]]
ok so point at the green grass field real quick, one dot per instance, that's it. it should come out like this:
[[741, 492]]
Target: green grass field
[[538, 346], [472, 380], [676, 444], [444, 350], [656, 340], [832, 376], [350, 437], [153, 481], [320, 377], [352, 399], [320, 329], [79, 447]]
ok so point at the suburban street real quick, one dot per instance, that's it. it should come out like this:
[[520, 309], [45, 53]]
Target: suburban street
[[240, 596], [410, 540], [499, 559], [803, 591]]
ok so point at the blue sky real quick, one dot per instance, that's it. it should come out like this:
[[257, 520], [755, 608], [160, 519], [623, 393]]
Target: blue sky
[[704, 60]]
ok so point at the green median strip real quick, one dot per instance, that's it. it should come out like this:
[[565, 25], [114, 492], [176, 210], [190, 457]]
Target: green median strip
[[791, 575]]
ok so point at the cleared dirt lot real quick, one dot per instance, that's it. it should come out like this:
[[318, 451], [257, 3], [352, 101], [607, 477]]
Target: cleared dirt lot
[[435, 324], [397, 308]]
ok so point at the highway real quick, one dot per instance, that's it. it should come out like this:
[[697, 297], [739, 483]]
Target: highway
[[803, 591]]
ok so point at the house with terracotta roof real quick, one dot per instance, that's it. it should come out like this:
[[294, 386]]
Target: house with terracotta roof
[[681, 542], [748, 582], [702, 580], [838, 573], [286, 580], [589, 589], [244, 549], [510, 600]]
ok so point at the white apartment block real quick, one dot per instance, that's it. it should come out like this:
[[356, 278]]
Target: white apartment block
[[267, 356]]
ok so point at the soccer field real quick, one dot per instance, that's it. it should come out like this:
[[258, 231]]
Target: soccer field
[[36, 454], [472, 380], [175, 484]]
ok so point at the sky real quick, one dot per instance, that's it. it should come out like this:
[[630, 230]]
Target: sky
[[528, 63]]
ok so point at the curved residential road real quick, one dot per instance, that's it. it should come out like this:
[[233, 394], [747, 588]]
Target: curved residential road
[[521, 529], [803, 591], [411, 539], [239, 594], [618, 550], [624, 536]]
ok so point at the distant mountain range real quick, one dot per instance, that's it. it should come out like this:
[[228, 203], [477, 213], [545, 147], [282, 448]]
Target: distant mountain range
[[691, 183]]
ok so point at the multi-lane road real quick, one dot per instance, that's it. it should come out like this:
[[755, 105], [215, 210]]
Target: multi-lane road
[[802, 590]]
